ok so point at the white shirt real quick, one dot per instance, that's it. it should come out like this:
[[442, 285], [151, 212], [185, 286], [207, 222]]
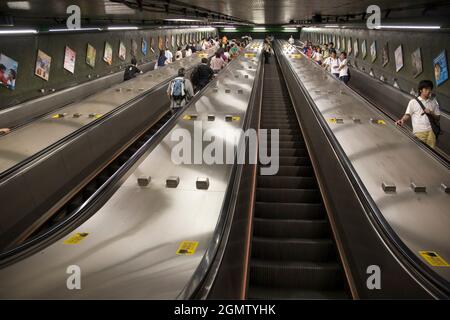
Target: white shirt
[[178, 55], [333, 64], [188, 52], [169, 55], [344, 71], [291, 41], [420, 121], [317, 56]]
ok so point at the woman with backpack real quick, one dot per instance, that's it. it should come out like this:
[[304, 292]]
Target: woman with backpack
[[180, 91]]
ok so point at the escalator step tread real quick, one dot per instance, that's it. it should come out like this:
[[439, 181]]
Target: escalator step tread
[[291, 228], [276, 293], [289, 249], [286, 182], [291, 274], [275, 210]]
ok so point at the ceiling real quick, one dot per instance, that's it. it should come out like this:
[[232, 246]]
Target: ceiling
[[207, 11], [282, 11]]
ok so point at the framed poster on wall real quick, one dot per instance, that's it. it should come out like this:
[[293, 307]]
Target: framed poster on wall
[[144, 47], [160, 43], [364, 49], [385, 56], [108, 54], [373, 51], [356, 48], [134, 48], [43, 64], [416, 60], [122, 51], [69, 60], [91, 55], [398, 58], [9, 74], [440, 68]]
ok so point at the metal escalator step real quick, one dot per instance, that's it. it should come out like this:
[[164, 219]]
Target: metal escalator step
[[294, 161], [276, 293], [284, 228], [287, 182], [292, 171], [277, 126], [275, 210], [314, 250], [305, 275], [284, 195], [286, 144]]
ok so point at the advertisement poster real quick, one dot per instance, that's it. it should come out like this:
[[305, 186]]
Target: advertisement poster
[[8, 72], [69, 60], [174, 41], [349, 46], [108, 54], [440, 68], [91, 55], [399, 58], [373, 51], [122, 51], [356, 48], [416, 58], [144, 47], [160, 43], [43, 63], [385, 56], [134, 48]]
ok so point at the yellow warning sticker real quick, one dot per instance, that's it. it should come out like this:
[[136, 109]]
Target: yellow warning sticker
[[296, 56], [187, 117], [332, 120], [76, 238], [236, 118], [56, 116], [203, 55], [250, 55], [434, 259], [187, 248], [380, 122], [97, 116]]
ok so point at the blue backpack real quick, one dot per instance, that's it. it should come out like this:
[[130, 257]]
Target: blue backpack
[[178, 92]]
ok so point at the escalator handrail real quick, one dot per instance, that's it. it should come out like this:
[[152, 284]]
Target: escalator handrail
[[433, 283]]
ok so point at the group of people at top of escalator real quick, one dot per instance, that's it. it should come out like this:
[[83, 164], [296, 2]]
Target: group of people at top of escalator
[[181, 89], [423, 110]]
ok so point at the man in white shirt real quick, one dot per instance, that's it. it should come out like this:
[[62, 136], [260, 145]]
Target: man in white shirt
[[420, 118], [178, 54], [343, 68], [169, 55], [291, 40], [332, 64]]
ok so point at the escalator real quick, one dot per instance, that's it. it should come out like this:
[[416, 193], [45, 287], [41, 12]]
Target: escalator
[[293, 255]]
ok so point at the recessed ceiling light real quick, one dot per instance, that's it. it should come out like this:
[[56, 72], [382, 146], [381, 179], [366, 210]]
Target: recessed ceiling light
[[19, 5]]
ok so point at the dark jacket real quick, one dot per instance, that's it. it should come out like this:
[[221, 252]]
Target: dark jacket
[[130, 72], [201, 75]]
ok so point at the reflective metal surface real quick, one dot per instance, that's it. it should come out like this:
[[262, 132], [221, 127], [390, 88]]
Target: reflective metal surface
[[130, 249], [380, 152], [36, 136]]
